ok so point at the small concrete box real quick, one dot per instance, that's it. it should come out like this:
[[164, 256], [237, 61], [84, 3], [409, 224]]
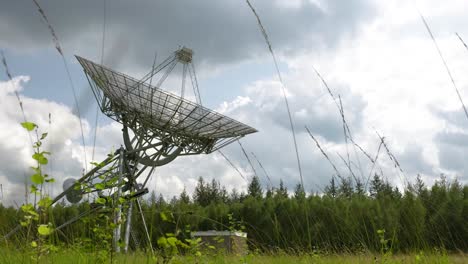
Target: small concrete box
[[231, 242]]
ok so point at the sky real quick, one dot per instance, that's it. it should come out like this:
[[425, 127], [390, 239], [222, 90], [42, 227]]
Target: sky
[[376, 55]]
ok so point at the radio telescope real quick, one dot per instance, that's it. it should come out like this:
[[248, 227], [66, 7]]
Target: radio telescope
[[158, 126], [164, 125]]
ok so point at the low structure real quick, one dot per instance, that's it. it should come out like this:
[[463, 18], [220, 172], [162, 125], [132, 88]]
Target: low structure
[[231, 242]]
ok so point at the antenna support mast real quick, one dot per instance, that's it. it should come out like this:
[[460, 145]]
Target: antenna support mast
[[157, 127]]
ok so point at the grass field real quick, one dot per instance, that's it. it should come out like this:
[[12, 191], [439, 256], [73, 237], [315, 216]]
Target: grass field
[[73, 256]]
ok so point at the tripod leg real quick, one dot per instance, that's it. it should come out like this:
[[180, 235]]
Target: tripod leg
[[145, 226], [118, 213], [128, 226]]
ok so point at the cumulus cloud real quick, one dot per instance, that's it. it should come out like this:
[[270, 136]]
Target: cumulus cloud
[[379, 59], [62, 128], [452, 142], [221, 32]]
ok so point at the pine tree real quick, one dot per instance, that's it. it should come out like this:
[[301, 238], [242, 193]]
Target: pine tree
[[269, 193], [299, 192], [184, 198], [345, 189], [161, 202], [214, 191], [152, 199], [376, 186], [255, 189], [419, 186], [234, 197], [202, 193], [282, 191], [224, 195], [331, 189], [359, 187]]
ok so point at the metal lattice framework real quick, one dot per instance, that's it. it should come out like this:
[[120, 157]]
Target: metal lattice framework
[[154, 113], [158, 126]]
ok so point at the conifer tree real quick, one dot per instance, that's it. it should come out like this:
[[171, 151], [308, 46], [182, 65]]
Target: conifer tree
[[282, 191], [184, 198], [255, 189], [331, 189], [299, 192]]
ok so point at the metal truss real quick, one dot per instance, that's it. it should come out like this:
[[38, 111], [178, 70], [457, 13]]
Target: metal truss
[[151, 112]]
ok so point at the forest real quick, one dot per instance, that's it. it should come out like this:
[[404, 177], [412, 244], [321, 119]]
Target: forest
[[344, 218]]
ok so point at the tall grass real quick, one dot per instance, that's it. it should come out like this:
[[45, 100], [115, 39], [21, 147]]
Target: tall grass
[[12, 256], [342, 220]]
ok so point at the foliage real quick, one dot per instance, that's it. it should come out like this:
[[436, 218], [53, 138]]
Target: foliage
[[79, 257], [343, 219], [35, 217]]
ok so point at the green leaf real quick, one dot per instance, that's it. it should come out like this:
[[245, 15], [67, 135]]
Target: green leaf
[[27, 207], [52, 248], [50, 180], [37, 144], [29, 126], [45, 202], [44, 230], [34, 215], [36, 169], [162, 242], [99, 186], [37, 178], [167, 217], [34, 188], [40, 158], [164, 216], [172, 241], [101, 200], [34, 244], [44, 135]]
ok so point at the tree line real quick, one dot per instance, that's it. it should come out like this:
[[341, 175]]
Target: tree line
[[345, 217]]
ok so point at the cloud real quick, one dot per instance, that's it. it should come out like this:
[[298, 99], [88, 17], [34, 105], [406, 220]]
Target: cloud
[[263, 107], [63, 131], [221, 32], [453, 119], [452, 143], [413, 160], [379, 59], [452, 158]]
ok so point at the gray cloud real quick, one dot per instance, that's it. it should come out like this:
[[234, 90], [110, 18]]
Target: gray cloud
[[452, 138], [273, 143], [456, 118], [318, 113], [452, 142], [413, 162], [453, 151], [453, 157], [16, 147], [221, 32]]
